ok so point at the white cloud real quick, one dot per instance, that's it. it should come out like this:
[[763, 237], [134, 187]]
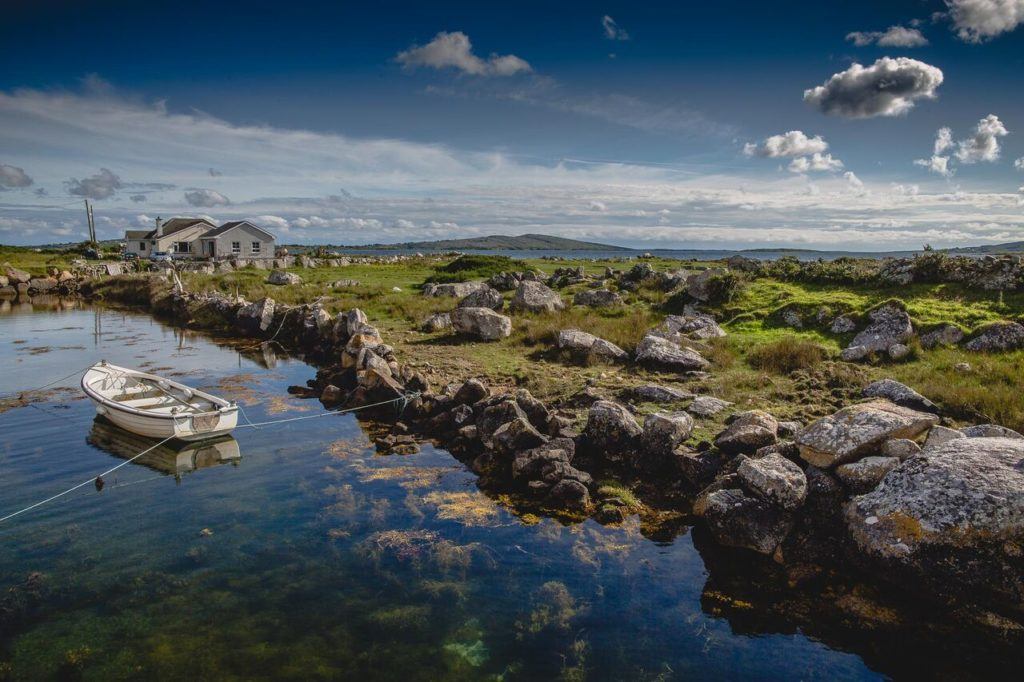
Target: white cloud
[[13, 177], [815, 163], [272, 222], [598, 206], [454, 51], [853, 181], [1019, 164], [943, 141], [206, 198], [787, 145], [612, 31], [894, 36], [889, 87], [976, 21], [936, 164], [102, 185], [984, 144]]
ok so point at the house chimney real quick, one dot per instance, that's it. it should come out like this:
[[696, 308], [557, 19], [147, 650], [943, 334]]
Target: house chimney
[[159, 227]]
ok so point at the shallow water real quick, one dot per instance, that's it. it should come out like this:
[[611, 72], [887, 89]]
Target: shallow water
[[310, 556]]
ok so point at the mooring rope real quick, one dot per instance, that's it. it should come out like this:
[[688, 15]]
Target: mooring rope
[[10, 394], [403, 399]]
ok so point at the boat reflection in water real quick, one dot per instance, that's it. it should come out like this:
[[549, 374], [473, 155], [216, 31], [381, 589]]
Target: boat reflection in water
[[173, 457]]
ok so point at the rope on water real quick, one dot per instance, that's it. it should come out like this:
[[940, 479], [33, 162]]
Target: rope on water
[[21, 393], [97, 480]]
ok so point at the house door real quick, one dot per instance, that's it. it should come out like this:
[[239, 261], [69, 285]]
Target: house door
[[210, 247]]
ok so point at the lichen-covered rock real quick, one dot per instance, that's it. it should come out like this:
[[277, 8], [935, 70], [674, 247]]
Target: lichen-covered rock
[[281, 277], [990, 431], [945, 335], [665, 431], [598, 298], [606, 351], [890, 325], [842, 325], [864, 474], [941, 434], [257, 316], [700, 285], [998, 336], [451, 289], [747, 432], [569, 493], [483, 323], [611, 430], [696, 326], [654, 393], [901, 448], [859, 430], [775, 479], [736, 519], [707, 406], [437, 322], [471, 392], [898, 393], [582, 344], [483, 297], [659, 352], [950, 521], [16, 276], [534, 297], [528, 464]]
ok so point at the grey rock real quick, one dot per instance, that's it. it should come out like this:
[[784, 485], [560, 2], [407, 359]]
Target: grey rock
[[535, 297], [791, 318], [775, 479], [901, 448], [898, 393], [611, 430], [659, 352], [945, 335], [842, 325], [483, 297], [859, 430], [747, 432], [570, 493], [437, 322], [788, 429], [471, 392], [698, 284], [665, 431], [452, 289], [865, 474], [654, 393], [898, 351], [16, 276], [949, 522], [282, 277], [736, 519], [598, 298], [889, 325], [941, 434], [694, 326], [998, 336], [257, 316], [707, 406], [595, 349], [990, 431], [483, 323]]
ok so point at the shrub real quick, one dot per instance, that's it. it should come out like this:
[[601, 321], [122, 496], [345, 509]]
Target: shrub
[[786, 355], [475, 266]]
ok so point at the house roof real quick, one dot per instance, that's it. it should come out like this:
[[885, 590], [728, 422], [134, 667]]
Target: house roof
[[170, 227], [136, 234], [218, 231]]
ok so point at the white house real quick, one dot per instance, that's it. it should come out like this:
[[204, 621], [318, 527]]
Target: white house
[[198, 238]]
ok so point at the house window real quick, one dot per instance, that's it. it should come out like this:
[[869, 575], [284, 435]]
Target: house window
[[236, 247], [182, 247], [255, 247], [142, 246]]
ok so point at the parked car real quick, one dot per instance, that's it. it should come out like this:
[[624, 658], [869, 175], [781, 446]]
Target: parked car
[[91, 254], [130, 256], [160, 256]]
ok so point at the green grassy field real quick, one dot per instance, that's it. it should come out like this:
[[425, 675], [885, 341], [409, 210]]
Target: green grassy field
[[762, 363]]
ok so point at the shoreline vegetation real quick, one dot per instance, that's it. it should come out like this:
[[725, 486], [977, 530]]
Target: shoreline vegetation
[[852, 417]]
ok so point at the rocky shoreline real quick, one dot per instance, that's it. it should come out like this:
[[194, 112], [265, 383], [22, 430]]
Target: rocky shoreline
[[879, 485]]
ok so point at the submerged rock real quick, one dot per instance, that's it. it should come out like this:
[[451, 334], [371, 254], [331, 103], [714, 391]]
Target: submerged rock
[[859, 430], [950, 520]]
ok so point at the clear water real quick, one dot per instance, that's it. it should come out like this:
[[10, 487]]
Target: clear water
[[313, 557]]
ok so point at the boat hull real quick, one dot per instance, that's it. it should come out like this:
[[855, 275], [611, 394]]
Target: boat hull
[[186, 428]]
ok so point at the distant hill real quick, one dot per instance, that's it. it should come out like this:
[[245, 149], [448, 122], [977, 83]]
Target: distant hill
[[1008, 247], [524, 242]]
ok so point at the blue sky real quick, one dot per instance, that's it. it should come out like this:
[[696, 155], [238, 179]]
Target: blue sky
[[730, 124]]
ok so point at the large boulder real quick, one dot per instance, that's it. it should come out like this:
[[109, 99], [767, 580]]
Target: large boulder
[[534, 297], [950, 520], [998, 336], [437, 322], [901, 394], [747, 432], [678, 327], [598, 298], [654, 393], [660, 352], [41, 285], [483, 323], [858, 431], [865, 474], [943, 335], [700, 285], [890, 325], [16, 276], [737, 519], [611, 430], [990, 431], [774, 479], [665, 431], [484, 297], [451, 289], [582, 344], [707, 406], [282, 277], [257, 316]]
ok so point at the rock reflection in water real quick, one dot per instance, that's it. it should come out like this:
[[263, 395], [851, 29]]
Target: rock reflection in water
[[174, 457]]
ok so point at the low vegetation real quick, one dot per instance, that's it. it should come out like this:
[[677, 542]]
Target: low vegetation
[[475, 266]]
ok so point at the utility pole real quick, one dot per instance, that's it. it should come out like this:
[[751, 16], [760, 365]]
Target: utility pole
[[89, 222]]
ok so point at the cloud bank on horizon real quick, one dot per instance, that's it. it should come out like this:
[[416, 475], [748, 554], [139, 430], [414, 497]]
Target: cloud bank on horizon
[[841, 184]]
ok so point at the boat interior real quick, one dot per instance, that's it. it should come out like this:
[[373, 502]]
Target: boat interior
[[157, 396]]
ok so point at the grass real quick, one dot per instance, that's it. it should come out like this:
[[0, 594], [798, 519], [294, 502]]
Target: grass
[[786, 355], [475, 266]]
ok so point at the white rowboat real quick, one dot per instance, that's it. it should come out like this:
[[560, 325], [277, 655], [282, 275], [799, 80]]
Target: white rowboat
[[152, 406]]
